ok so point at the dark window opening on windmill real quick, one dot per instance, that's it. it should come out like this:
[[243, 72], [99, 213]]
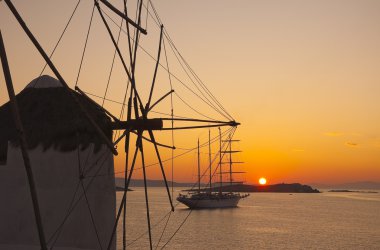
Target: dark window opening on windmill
[[3, 153]]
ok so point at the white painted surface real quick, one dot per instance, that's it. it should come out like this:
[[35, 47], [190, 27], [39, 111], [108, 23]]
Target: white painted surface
[[44, 81], [57, 176]]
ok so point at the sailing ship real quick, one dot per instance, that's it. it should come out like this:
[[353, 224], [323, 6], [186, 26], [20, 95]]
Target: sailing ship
[[65, 141], [210, 198]]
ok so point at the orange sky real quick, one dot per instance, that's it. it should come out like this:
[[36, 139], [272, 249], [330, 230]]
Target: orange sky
[[301, 76]]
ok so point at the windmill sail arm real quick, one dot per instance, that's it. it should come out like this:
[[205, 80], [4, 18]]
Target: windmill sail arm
[[159, 100], [138, 124], [157, 124], [230, 123], [155, 69], [195, 127], [100, 107], [122, 15]]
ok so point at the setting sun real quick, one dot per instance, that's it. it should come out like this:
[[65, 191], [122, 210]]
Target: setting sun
[[262, 181]]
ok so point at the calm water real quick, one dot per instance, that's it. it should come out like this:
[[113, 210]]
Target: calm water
[[262, 221]]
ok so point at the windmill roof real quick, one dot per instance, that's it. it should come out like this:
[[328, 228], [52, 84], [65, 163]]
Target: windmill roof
[[44, 81], [52, 118]]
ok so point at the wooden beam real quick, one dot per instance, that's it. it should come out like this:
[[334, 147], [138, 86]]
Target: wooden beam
[[159, 100], [138, 124], [121, 14], [23, 143], [194, 127], [155, 70]]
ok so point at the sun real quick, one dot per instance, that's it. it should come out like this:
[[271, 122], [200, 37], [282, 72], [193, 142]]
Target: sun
[[262, 181]]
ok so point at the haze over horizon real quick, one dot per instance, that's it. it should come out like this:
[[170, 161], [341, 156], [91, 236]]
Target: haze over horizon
[[301, 76]]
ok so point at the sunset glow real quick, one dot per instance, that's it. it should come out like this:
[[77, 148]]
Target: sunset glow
[[262, 181], [305, 88]]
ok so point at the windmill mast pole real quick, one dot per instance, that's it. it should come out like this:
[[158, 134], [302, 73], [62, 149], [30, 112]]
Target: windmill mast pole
[[23, 143]]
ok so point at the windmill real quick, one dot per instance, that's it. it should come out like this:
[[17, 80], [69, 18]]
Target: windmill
[[138, 119]]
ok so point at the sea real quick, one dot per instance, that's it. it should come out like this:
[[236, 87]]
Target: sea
[[262, 221]]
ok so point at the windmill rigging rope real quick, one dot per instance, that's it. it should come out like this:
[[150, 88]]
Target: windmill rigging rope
[[80, 174], [175, 51], [204, 87], [92, 178], [191, 210], [91, 215], [154, 225], [209, 102], [172, 151], [196, 111], [177, 230], [104, 98], [121, 115], [158, 23], [163, 231], [71, 208], [155, 13], [85, 46], [122, 110], [88, 32], [59, 229], [230, 132], [157, 112], [113, 62], [130, 54], [174, 76], [146, 19], [169, 73], [191, 70], [172, 115], [213, 140], [151, 111], [59, 40]]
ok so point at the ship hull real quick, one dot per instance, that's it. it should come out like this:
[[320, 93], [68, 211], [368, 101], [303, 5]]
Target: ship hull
[[210, 203]]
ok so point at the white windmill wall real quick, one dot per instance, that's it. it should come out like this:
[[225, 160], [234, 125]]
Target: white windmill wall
[[56, 176]]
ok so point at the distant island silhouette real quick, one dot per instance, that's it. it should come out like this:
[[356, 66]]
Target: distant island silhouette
[[275, 188], [359, 185], [245, 188], [351, 191], [151, 183]]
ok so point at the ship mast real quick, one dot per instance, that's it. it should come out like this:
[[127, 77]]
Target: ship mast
[[209, 158], [199, 170], [220, 162], [230, 162]]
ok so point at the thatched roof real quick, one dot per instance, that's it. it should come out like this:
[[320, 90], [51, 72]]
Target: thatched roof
[[51, 118]]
